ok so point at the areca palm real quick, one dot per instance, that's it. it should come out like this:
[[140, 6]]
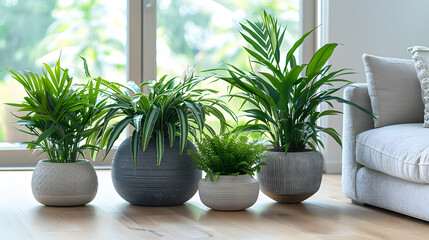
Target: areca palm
[[284, 96], [65, 118]]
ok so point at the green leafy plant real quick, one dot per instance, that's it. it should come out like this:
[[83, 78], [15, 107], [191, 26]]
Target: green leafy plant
[[65, 118], [171, 108], [285, 96], [228, 154]]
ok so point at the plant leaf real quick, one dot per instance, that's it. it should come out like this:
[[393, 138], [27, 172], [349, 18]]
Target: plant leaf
[[47, 133], [117, 130], [149, 124], [85, 66], [137, 122], [184, 129], [171, 133], [197, 113], [320, 58], [133, 87], [135, 147], [159, 146]]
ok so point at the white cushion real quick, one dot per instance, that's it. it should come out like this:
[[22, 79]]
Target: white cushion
[[400, 150], [394, 90], [421, 63]]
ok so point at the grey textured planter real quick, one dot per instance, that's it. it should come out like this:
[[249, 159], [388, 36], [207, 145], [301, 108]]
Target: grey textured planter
[[291, 178], [174, 182], [229, 193], [64, 184]]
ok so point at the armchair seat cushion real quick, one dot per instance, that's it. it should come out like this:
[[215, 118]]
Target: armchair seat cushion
[[400, 150]]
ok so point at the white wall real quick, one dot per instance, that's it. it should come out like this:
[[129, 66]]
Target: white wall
[[379, 27]]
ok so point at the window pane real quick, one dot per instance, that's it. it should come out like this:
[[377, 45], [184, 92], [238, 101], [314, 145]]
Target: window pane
[[37, 31], [205, 33]]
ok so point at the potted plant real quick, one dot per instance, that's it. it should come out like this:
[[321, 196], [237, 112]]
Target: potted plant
[[65, 120], [149, 168], [230, 162], [284, 99]]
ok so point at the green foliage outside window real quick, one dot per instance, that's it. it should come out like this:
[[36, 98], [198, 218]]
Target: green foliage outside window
[[23, 25]]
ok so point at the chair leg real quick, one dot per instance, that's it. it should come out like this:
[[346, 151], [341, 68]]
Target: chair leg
[[358, 203]]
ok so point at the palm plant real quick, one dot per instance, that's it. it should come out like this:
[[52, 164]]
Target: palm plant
[[228, 154], [285, 96], [171, 108], [65, 118]]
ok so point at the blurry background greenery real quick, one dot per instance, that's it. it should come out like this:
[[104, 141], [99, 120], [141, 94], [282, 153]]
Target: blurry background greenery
[[205, 33], [189, 32]]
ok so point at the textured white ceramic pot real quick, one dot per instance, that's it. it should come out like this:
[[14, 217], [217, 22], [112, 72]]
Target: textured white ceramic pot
[[64, 184], [229, 193]]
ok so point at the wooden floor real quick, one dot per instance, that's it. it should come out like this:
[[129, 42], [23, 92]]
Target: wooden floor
[[328, 215]]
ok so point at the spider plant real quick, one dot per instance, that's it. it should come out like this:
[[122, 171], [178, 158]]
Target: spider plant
[[64, 118], [284, 96], [228, 154], [171, 108]]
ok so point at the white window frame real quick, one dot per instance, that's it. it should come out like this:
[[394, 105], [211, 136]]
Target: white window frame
[[141, 65]]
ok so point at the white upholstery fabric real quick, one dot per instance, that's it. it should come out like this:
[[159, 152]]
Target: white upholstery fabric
[[393, 85], [370, 186], [400, 150], [421, 62], [382, 190], [354, 122]]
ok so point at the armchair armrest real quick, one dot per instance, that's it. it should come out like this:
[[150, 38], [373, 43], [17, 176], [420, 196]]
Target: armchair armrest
[[354, 122]]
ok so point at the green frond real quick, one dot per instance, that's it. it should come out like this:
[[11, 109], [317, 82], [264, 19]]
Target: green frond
[[65, 117], [283, 97], [228, 154]]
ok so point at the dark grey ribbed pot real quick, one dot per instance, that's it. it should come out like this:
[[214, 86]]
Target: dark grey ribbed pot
[[174, 182], [291, 178]]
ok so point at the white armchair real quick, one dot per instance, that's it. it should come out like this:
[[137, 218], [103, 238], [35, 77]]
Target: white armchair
[[382, 174]]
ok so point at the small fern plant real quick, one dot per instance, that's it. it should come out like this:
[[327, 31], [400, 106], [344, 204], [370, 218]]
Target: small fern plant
[[228, 154]]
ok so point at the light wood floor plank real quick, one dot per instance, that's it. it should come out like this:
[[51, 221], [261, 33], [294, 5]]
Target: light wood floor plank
[[328, 215]]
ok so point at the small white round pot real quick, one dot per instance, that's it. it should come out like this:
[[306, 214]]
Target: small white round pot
[[229, 193], [64, 184]]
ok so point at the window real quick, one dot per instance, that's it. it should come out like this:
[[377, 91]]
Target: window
[[118, 38], [206, 33], [37, 31]]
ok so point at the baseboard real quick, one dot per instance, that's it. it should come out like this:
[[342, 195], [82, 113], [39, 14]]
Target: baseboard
[[332, 167]]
